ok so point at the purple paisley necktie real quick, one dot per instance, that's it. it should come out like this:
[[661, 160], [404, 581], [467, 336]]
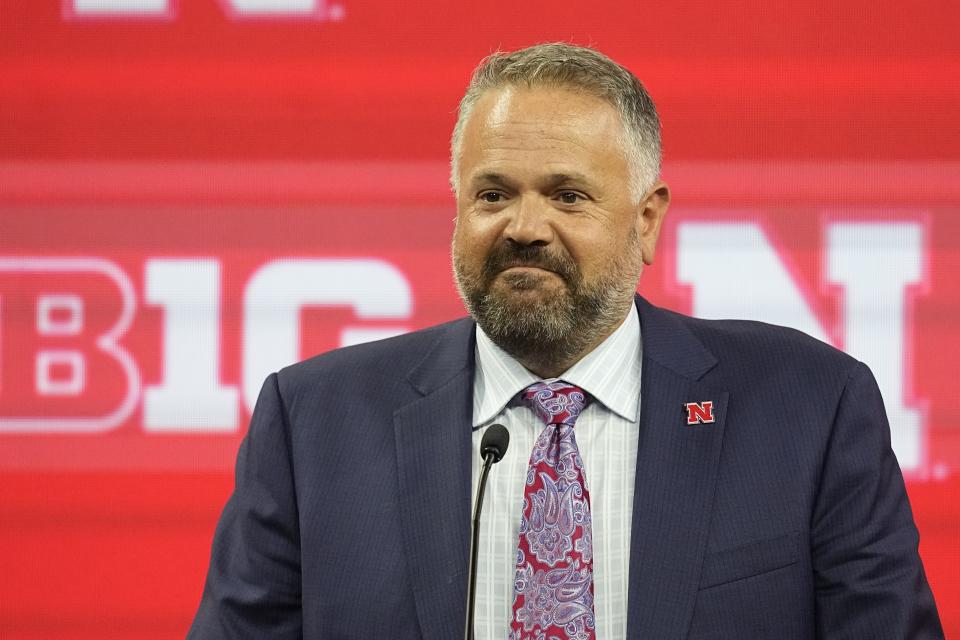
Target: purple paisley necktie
[[553, 588]]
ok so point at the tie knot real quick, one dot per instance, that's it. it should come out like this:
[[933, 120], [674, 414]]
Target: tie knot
[[556, 401]]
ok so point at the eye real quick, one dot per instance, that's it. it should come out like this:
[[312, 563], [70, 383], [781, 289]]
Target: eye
[[570, 197], [491, 197]]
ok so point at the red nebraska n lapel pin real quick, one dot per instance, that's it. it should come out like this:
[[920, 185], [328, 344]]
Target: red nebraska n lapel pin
[[699, 412]]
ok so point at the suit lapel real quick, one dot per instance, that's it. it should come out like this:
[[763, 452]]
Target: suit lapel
[[433, 439], [675, 478]]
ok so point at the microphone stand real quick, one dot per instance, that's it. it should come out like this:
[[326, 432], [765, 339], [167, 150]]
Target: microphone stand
[[492, 447]]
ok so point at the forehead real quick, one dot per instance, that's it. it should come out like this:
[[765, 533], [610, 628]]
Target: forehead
[[547, 128]]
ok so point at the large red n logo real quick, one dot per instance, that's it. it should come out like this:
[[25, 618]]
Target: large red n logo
[[699, 412]]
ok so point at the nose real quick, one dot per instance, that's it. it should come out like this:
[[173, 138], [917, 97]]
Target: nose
[[529, 222]]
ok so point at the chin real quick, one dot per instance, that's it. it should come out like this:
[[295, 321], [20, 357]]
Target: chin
[[531, 312]]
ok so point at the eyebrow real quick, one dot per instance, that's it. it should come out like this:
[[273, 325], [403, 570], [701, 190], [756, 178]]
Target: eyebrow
[[490, 177], [556, 179], [551, 181]]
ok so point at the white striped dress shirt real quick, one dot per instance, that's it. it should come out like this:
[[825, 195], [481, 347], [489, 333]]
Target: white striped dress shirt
[[607, 435]]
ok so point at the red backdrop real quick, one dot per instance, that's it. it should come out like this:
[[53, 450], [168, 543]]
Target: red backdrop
[[169, 167]]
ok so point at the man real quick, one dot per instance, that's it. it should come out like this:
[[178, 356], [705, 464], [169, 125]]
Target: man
[[656, 485]]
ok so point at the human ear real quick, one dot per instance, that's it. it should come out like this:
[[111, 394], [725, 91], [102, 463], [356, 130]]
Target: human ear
[[653, 209]]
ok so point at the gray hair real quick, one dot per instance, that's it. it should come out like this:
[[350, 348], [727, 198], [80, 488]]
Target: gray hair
[[560, 64]]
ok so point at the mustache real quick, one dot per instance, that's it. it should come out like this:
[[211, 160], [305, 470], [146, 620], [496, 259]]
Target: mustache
[[511, 254]]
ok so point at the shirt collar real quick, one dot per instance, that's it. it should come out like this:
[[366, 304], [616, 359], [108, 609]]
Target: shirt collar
[[610, 373]]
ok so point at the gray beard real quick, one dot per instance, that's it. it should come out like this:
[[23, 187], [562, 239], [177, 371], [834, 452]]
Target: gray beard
[[551, 334]]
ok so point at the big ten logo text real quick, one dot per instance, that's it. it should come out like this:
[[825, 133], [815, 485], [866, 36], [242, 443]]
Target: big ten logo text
[[64, 366], [316, 10]]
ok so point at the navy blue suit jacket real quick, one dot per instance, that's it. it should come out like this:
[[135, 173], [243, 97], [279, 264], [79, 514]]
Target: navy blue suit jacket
[[786, 518]]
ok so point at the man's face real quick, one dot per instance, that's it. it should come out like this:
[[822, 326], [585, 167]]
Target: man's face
[[549, 243]]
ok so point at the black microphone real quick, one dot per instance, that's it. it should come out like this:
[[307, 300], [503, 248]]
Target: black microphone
[[492, 447]]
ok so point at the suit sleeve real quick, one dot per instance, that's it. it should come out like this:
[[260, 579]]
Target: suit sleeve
[[253, 583], [869, 578]]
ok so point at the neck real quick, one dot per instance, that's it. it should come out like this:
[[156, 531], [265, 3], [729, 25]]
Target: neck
[[546, 363], [549, 351]]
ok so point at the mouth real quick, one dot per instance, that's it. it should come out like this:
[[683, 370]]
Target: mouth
[[529, 268], [526, 268], [529, 278]]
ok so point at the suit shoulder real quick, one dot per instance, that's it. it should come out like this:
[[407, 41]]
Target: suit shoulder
[[764, 346], [368, 362]]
